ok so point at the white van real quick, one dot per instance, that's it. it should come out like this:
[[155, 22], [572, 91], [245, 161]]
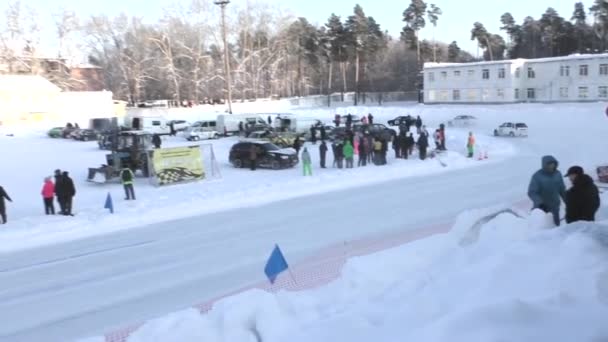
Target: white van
[[228, 124], [150, 124]]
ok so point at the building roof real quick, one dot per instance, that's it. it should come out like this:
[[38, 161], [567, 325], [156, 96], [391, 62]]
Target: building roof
[[518, 61], [15, 83]]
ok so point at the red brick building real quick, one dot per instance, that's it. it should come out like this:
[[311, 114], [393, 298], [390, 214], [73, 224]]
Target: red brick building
[[87, 77]]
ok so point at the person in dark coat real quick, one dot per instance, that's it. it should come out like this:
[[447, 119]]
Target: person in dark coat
[[253, 157], [442, 137], [70, 192], [323, 153], [547, 187], [397, 146], [269, 120], [582, 199], [241, 128], [59, 191], [296, 145], [337, 120], [339, 155], [349, 121], [363, 152], [313, 134], [156, 141], [411, 143], [418, 124], [384, 151], [370, 119], [323, 133], [423, 145], [3, 196], [402, 138]]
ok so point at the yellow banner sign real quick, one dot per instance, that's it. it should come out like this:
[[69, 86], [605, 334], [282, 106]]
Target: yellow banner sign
[[178, 165]]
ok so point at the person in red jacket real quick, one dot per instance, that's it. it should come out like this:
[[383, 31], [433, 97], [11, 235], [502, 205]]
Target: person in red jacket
[[48, 191]]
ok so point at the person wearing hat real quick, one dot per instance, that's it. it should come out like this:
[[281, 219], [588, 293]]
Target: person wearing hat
[[582, 199], [547, 187]]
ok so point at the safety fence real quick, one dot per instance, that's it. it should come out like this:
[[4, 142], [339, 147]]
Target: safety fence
[[325, 267]]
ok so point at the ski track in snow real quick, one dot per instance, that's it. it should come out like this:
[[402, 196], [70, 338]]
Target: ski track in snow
[[182, 245]]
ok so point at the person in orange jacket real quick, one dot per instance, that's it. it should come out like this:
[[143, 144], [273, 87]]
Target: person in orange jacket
[[471, 145]]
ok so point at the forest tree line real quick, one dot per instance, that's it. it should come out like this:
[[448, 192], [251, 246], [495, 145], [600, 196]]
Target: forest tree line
[[272, 53]]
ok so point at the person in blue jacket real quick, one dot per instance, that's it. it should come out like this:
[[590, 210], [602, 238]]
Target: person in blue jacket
[[547, 187]]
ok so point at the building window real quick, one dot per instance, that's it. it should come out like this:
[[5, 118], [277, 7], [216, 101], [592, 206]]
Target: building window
[[583, 92], [517, 72], [471, 95], [444, 75], [432, 95], [583, 70], [444, 96], [485, 74], [471, 73], [563, 92], [531, 93], [602, 92], [564, 71], [603, 69], [431, 77], [500, 93], [516, 93], [456, 94], [456, 73], [501, 73], [531, 73]]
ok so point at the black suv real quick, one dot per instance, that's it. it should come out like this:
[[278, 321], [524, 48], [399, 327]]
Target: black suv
[[269, 155], [378, 131], [407, 120]]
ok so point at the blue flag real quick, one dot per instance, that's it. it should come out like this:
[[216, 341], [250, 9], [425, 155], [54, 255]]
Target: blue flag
[[109, 204], [275, 265]]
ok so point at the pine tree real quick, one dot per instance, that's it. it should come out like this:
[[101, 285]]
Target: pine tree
[[433, 16], [482, 36], [413, 16], [600, 14], [338, 46], [357, 29], [514, 32], [454, 52], [579, 17]]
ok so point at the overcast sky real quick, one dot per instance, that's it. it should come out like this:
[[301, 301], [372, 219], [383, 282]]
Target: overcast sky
[[455, 23]]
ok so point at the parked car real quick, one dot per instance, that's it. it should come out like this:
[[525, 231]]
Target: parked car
[[377, 131], [269, 155], [179, 125], [407, 120], [55, 132], [462, 121], [84, 135], [511, 129], [328, 131], [201, 133]]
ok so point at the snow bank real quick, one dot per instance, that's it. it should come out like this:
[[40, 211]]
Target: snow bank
[[514, 280]]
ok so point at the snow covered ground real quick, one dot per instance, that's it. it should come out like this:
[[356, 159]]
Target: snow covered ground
[[163, 252], [511, 279]]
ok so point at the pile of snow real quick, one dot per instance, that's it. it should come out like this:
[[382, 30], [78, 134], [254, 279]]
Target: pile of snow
[[508, 279]]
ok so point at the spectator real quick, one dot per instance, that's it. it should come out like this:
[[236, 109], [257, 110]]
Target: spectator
[[403, 147], [397, 146], [363, 151], [323, 133], [471, 145], [349, 154], [334, 151], [339, 155], [418, 124], [269, 121], [423, 144], [306, 162], [370, 119], [126, 176], [377, 152], [411, 143], [3, 196], [313, 134], [323, 153], [364, 120], [297, 145], [442, 137], [58, 186], [349, 121], [156, 141], [582, 199], [437, 139], [48, 192], [384, 151], [547, 187], [69, 192], [337, 120], [241, 129]]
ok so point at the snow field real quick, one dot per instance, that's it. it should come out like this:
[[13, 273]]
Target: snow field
[[518, 279], [39, 156]]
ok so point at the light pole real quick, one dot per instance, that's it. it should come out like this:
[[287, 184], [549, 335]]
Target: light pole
[[222, 4]]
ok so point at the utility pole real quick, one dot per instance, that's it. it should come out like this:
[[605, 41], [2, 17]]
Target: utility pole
[[222, 4]]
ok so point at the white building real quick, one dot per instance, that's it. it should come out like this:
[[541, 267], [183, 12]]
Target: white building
[[571, 78]]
